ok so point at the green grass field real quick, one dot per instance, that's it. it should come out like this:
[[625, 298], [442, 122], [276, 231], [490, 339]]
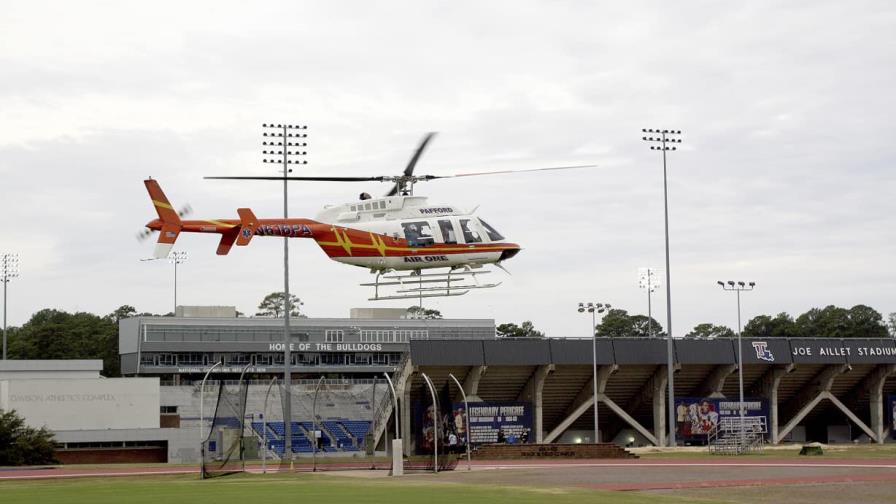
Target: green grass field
[[255, 488]]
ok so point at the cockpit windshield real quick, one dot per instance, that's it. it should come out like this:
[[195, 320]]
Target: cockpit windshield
[[492, 233]]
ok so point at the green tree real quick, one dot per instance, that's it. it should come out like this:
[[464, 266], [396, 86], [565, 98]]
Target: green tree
[[122, 312], [781, 325], [642, 327], [55, 334], [860, 321], [617, 323], [710, 331], [524, 330], [417, 312], [23, 445], [891, 323], [272, 305], [866, 322]]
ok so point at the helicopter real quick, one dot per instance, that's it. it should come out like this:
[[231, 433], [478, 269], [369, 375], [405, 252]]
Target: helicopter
[[417, 249]]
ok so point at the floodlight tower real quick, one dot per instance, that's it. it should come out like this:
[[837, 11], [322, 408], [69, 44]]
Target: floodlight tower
[[176, 258], [594, 309], [665, 136], [9, 269], [282, 145], [647, 280], [739, 287]]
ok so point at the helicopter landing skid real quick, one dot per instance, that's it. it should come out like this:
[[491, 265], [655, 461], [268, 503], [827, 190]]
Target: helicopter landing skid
[[417, 285]]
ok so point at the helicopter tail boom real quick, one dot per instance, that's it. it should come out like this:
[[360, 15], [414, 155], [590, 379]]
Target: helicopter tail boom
[[171, 224]]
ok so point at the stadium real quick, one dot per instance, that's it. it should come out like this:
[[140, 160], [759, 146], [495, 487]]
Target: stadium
[[798, 389]]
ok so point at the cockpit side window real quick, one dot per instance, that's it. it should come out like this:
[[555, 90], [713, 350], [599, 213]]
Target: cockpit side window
[[471, 234], [418, 234], [448, 234], [492, 233]]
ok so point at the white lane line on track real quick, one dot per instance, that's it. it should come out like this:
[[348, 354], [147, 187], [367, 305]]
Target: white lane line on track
[[673, 464]]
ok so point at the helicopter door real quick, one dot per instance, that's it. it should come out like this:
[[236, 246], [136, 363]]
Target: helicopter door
[[449, 236], [470, 231], [418, 234]]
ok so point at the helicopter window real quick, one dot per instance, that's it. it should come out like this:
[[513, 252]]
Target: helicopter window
[[471, 234], [448, 234], [492, 233], [418, 234], [366, 206]]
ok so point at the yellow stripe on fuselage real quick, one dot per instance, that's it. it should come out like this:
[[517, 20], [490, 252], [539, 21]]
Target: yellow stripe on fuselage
[[222, 224]]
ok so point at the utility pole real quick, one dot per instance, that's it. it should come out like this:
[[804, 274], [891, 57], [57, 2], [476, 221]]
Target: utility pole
[[664, 137], [281, 144]]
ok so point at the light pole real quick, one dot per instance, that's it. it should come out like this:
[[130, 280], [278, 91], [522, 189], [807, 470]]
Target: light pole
[[594, 309], [647, 280], [663, 137], [176, 258], [284, 140], [739, 287], [9, 269]]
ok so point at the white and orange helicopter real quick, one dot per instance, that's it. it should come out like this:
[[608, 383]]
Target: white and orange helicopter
[[397, 236]]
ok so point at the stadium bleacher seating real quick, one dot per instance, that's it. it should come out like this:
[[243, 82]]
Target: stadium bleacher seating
[[348, 435]]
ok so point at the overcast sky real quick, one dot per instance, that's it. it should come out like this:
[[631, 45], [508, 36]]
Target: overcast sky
[[785, 176]]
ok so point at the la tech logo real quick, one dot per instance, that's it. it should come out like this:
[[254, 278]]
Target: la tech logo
[[762, 351]]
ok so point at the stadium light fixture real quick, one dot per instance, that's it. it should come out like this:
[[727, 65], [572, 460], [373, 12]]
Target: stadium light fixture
[[647, 280], [594, 309], [9, 269], [283, 147], [666, 140], [738, 288]]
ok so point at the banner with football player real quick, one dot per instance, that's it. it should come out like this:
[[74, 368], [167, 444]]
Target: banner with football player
[[696, 417]]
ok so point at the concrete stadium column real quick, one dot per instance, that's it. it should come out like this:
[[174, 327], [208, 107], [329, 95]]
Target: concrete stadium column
[[817, 390], [875, 389], [713, 385], [770, 382], [471, 382], [533, 392], [658, 394], [404, 391]]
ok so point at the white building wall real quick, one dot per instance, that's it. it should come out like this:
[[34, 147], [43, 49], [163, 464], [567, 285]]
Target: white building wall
[[84, 404]]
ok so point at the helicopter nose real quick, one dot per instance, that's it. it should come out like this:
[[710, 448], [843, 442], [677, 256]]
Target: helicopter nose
[[509, 252]]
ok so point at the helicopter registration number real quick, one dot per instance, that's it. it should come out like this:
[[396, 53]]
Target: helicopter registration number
[[420, 259]]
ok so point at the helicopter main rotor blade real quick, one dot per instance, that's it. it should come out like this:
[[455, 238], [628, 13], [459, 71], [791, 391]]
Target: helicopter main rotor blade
[[501, 172], [308, 179], [409, 169]]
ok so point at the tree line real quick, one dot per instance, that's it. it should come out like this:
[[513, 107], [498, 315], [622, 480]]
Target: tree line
[[56, 334], [860, 321]]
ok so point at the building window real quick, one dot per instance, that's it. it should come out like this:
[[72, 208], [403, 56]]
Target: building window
[[166, 360], [333, 335]]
